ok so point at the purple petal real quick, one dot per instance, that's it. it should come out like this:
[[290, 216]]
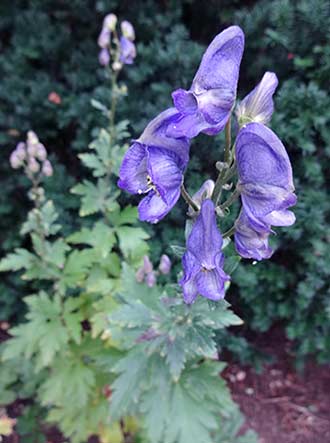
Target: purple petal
[[262, 158], [249, 242], [190, 268], [187, 125], [127, 51], [133, 171], [219, 67], [205, 240], [156, 134], [258, 105], [210, 284], [184, 101], [153, 208], [165, 169]]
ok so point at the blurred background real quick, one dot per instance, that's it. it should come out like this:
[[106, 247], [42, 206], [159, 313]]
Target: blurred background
[[49, 73]]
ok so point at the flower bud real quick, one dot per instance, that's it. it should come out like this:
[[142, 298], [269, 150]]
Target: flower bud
[[104, 57], [203, 193], [15, 161], [104, 38], [147, 265], [165, 264], [21, 150], [33, 165], [32, 149], [151, 279], [116, 66], [41, 153], [127, 30], [32, 138], [47, 168], [139, 275], [110, 22]]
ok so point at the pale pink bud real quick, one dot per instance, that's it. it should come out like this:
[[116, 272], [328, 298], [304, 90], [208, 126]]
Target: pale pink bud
[[47, 168], [21, 150], [32, 149], [139, 275], [116, 66], [165, 264], [32, 138], [104, 57], [33, 165], [151, 279], [147, 265], [104, 38], [41, 152], [14, 160], [110, 22], [127, 30]]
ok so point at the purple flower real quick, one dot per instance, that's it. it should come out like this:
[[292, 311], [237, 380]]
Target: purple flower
[[104, 57], [203, 260], [204, 192], [165, 264], [258, 105], [154, 165], [127, 30], [207, 105], [265, 183], [127, 51], [249, 242], [104, 38]]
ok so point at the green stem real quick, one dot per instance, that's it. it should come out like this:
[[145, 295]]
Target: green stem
[[234, 196], [188, 199], [222, 174], [229, 233]]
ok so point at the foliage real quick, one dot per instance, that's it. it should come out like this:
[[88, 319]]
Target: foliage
[[94, 337]]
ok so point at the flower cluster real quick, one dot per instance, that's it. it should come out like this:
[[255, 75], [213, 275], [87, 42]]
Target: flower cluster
[[156, 162], [147, 274], [120, 48], [32, 156]]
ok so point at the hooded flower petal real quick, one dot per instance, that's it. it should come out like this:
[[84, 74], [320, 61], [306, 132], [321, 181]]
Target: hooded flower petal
[[258, 105], [249, 242], [203, 260], [155, 164], [127, 51], [207, 105]]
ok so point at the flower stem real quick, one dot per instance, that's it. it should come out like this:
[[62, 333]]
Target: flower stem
[[229, 233], [222, 174], [234, 196], [188, 199]]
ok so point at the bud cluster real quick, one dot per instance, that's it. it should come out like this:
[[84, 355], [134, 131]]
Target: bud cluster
[[147, 274], [120, 49], [32, 156]]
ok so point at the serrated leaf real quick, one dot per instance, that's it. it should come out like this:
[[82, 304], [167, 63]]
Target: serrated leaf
[[20, 259]]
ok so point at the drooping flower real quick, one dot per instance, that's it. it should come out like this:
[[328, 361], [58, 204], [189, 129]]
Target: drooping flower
[[154, 165], [127, 51], [249, 242], [265, 180], [203, 259], [110, 22], [47, 168], [207, 105], [104, 38], [258, 105]]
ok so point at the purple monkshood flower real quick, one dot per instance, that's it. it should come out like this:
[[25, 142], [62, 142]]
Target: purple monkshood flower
[[258, 105], [154, 165], [203, 259], [249, 242], [127, 51], [207, 105], [265, 183]]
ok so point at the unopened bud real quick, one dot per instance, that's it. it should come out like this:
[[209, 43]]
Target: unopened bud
[[151, 279], [33, 165], [47, 168], [110, 22], [165, 264], [104, 38], [127, 30], [139, 275], [32, 138], [14, 161], [104, 57], [21, 150], [147, 265], [203, 193], [41, 152], [116, 66]]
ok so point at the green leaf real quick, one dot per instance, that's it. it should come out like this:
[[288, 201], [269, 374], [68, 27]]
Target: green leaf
[[132, 241], [94, 163], [20, 259]]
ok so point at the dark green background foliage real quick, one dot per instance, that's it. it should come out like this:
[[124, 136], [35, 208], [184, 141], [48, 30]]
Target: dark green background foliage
[[50, 45]]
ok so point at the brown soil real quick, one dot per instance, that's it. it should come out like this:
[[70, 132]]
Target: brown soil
[[281, 405]]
